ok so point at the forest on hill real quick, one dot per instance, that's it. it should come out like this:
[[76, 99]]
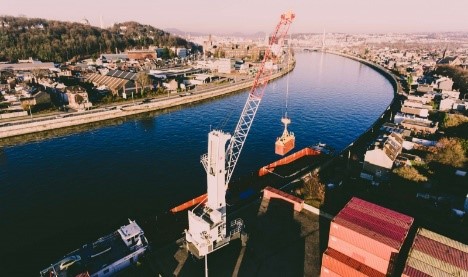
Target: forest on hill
[[58, 41]]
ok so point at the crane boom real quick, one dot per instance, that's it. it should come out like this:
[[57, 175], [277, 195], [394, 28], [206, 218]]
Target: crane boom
[[255, 97]]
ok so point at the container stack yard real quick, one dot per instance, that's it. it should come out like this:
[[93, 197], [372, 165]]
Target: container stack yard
[[435, 255], [365, 240]]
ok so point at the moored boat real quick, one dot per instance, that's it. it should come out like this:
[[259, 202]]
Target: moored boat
[[104, 257]]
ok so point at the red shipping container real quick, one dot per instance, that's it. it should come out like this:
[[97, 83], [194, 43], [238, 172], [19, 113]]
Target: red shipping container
[[377, 225], [384, 211], [327, 272], [412, 272], [359, 254], [364, 239], [441, 252], [389, 217], [346, 266]]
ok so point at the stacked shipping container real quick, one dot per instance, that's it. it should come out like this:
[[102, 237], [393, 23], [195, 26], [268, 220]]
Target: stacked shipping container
[[365, 240], [435, 255]]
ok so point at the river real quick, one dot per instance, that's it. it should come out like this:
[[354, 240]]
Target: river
[[59, 193]]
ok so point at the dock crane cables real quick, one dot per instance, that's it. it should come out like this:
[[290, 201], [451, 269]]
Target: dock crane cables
[[255, 96]]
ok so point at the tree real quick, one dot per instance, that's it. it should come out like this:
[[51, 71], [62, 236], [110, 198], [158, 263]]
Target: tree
[[142, 80], [79, 99], [313, 190], [449, 151], [410, 173]]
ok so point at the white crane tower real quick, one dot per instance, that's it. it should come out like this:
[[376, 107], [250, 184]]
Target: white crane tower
[[207, 223]]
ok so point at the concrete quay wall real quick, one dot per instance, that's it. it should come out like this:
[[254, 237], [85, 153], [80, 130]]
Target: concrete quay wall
[[28, 127]]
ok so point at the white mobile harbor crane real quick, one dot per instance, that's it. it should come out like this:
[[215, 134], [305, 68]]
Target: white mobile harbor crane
[[207, 223]]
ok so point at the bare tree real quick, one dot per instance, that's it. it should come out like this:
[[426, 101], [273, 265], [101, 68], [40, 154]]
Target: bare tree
[[142, 80]]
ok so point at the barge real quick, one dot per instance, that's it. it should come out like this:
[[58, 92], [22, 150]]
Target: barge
[[275, 174], [104, 257]]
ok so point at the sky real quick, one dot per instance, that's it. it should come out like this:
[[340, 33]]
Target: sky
[[250, 16]]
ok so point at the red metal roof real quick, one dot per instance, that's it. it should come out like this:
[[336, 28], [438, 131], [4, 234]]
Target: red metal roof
[[345, 266]]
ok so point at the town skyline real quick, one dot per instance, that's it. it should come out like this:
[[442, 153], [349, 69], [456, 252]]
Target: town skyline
[[245, 17]]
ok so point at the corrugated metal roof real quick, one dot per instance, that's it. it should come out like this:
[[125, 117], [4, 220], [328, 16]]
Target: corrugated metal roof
[[122, 74], [435, 254], [112, 82], [346, 266]]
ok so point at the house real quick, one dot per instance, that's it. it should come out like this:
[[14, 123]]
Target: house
[[172, 85], [420, 126], [423, 100], [446, 104], [112, 58], [444, 83], [182, 52], [415, 111], [77, 98], [379, 159], [450, 94], [29, 66], [142, 54], [200, 79], [225, 65], [450, 60], [36, 99], [423, 88]]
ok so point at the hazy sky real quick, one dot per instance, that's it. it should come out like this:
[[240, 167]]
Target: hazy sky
[[250, 16]]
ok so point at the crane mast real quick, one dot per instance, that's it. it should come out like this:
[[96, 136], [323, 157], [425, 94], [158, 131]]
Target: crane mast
[[255, 96], [208, 230]]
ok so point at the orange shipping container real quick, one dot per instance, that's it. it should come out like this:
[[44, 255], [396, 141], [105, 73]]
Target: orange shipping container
[[359, 254], [364, 242], [284, 144], [327, 272], [346, 266]]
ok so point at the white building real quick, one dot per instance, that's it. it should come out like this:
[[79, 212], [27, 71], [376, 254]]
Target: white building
[[225, 66]]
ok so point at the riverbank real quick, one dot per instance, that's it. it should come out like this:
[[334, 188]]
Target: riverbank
[[12, 131]]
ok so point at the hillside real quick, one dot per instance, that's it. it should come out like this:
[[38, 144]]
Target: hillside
[[58, 41]]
